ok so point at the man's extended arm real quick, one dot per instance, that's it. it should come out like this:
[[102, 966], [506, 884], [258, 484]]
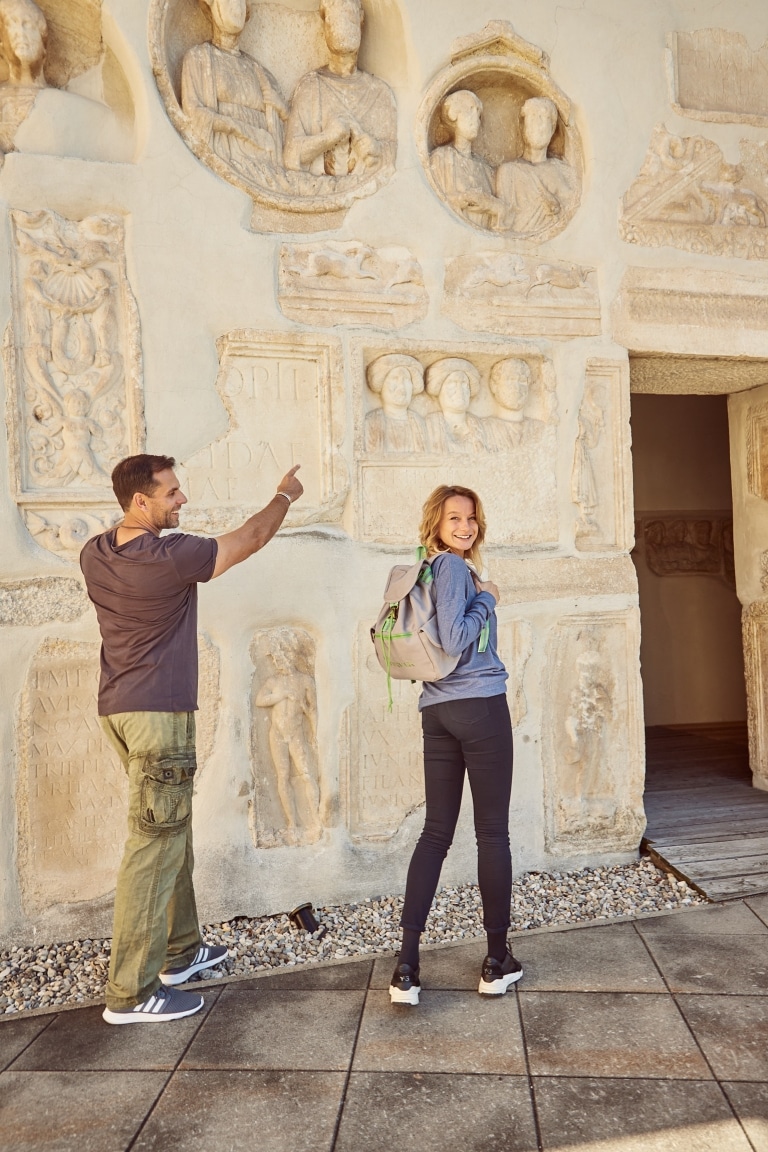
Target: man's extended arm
[[234, 547]]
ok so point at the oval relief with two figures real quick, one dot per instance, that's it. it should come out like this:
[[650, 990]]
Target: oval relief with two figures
[[279, 102], [497, 138]]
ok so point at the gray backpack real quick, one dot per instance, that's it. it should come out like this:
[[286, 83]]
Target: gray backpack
[[405, 635]]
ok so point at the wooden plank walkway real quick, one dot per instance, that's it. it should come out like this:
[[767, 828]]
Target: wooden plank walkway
[[705, 820]]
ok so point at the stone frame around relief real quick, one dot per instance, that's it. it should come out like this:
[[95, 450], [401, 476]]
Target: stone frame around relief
[[617, 820], [496, 58], [754, 625], [710, 115], [235, 350], [612, 458], [757, 451], [83, 256], [435, 469], [273, 210]]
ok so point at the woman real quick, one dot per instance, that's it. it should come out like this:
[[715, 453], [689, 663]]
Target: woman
[[466, 725]]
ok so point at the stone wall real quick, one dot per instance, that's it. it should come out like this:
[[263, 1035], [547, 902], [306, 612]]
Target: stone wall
[[420, 262]]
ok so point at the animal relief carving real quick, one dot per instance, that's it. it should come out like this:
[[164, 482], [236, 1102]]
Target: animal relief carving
[[304, 157], [521, 295], [496, 137], [686, 195], [286, 804], [350, 283], [73, 363]]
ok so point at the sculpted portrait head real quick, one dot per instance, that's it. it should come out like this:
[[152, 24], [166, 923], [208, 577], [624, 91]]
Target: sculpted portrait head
[[23, 35], [538, 121], [454, 382], [510, 383], [342, 25], [396, 378], [228, 17], [461, 113]]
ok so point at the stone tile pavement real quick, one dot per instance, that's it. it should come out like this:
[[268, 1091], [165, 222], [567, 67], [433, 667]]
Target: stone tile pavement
[[646, 1036]]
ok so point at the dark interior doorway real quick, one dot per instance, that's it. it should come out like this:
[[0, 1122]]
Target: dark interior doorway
[[705, 821], [691, 648]]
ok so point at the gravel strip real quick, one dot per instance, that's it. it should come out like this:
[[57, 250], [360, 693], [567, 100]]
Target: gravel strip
[[72, 973]]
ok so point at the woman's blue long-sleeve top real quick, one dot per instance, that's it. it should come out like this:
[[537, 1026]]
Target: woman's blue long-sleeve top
[[461, 613]]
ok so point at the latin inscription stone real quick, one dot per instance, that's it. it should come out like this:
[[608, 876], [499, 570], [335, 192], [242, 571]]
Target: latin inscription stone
[[278, 394], [386, 777], [72, 788]]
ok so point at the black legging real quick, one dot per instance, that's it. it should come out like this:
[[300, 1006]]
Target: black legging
[[476, 734]]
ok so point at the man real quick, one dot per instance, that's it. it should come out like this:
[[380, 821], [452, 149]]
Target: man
[[144, 587], [342, 121]]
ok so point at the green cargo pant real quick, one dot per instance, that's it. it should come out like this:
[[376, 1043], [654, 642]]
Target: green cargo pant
[[156, 924]]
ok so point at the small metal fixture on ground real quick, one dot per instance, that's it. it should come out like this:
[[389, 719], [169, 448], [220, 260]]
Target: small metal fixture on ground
[[303, 917]]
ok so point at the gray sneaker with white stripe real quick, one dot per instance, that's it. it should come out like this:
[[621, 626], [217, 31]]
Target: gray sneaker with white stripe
[[205, 957], [164, 1004]]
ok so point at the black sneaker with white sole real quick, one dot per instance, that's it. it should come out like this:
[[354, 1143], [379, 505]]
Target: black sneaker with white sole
[[497, 975], [163, 1005], [404, 987], [205, 957]]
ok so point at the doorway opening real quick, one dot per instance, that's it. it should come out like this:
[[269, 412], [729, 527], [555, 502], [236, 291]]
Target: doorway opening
[[698, 781]]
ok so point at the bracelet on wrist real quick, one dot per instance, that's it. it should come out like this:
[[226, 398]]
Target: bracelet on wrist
[[279, 493]]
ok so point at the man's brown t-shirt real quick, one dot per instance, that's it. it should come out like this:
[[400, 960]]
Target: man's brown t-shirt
[[145, 593]]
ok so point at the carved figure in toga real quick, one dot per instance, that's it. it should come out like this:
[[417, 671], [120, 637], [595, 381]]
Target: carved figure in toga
[[537, 188], [342, 121], [464, 178], [234, 104]]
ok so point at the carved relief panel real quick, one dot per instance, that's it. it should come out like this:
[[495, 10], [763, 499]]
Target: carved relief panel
[[481, 415], [757, 450], [593, 741], [73, 363], [274, 101], [714, 75], [601, 463], [687, 544], [72, 789], [497, 138], [688, 196], [350, 283], [521, 295], [285, 400], [62, 91], [286, 806], [385, 773], [515, 649], [755, 639]]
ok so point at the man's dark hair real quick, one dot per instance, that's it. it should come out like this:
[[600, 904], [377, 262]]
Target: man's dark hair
[[137, 474]]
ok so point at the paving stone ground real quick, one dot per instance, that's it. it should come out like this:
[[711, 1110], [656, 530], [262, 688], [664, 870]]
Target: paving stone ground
[[645, 1036]]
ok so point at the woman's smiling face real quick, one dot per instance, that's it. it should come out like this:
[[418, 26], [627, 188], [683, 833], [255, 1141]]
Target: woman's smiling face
[[458, 524]]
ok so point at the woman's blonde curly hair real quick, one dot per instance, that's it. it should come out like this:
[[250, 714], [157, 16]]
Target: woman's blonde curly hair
[[432, 514]]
